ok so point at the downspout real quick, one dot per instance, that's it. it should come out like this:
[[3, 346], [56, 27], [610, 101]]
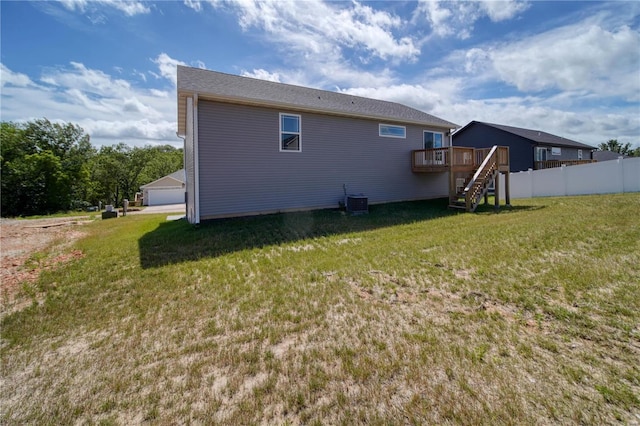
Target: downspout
[[184, 162], [452, 176], [196, 166]]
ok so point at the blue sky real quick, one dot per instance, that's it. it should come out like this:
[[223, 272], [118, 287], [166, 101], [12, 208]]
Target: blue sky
[[569, 68]]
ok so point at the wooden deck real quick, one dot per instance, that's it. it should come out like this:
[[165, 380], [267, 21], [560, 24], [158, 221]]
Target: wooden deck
[[471, 172], [455, 159]]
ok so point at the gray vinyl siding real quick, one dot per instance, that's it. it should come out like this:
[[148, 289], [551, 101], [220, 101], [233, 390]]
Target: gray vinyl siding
[[566, 153], [243, 172]]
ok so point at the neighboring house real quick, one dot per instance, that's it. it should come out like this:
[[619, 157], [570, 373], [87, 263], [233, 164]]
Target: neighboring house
[[528, 149], [607, 155], [169, 189]]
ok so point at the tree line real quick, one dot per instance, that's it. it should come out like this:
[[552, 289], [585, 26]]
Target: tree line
[[615, 146], [51, 167]]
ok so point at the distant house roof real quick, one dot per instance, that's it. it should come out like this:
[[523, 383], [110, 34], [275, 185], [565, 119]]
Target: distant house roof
[[607, 155], [175, 179], [537, 136], [231, 88]]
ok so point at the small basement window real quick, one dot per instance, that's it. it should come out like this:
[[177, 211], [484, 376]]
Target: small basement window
[[290, 132], [391, 131]]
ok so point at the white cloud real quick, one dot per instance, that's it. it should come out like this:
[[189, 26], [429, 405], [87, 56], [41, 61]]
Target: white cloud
[[129, 8], [578, 57], [109, 109], [321, 28], [87, 80], [425, 97], [168, 67], [500, 10], [457, 18], [262, 75], [8, 77], [141, 129], [199, 64], [193, 4]]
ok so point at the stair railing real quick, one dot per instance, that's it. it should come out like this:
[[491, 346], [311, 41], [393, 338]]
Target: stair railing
[[472, 189]]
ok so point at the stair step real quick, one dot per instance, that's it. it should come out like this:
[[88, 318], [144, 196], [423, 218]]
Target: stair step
[[458, 206]]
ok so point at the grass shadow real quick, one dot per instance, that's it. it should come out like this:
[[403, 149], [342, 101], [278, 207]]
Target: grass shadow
[[178, 241]]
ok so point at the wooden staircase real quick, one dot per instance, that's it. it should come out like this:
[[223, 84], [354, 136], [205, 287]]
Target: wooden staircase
[[477, 184]]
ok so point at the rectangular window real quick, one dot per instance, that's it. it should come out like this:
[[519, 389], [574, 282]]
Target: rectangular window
[[290, 132], [390, 131], [556, 151], [432, 140], [579, 154]]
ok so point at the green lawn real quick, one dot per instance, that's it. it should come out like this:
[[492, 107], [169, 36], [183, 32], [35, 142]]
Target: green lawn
[[410, 314]]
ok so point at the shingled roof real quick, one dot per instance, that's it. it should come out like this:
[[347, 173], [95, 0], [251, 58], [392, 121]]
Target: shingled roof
[[245, 90], [537, 136]]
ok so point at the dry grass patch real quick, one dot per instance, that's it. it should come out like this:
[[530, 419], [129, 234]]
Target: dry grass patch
[[411, 314]]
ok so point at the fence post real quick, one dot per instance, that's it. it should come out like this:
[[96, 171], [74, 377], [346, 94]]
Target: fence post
[[620, 161]]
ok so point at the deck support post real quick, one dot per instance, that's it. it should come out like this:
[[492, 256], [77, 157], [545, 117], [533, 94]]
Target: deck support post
[[452, 176], [496, 185], [507, 189]]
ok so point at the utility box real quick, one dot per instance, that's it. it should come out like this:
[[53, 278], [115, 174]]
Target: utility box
[[357, 204], [109, 215]]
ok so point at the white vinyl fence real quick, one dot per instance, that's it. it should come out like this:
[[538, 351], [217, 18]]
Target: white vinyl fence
[[606, 177]]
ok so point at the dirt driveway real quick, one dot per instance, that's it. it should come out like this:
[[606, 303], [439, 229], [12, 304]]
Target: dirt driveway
[[20, 240]]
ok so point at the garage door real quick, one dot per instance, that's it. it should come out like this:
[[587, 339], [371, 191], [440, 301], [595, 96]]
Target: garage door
[[158, 197]]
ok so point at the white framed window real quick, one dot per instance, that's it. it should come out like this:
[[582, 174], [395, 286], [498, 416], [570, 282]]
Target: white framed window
[[290, 132], [432, 139], [392, 131], [541, 153], [579, 154], [556, 151]]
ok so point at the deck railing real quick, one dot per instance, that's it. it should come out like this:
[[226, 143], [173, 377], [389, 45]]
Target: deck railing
[[442, 159], [476, 187], [551, 164]]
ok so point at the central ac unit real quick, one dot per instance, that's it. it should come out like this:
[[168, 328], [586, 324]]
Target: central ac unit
[[357, 204]]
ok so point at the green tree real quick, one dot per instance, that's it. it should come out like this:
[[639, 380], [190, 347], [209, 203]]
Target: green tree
[[615, 146], [44, 167], [164, 160], [42, 186], [118, 171]]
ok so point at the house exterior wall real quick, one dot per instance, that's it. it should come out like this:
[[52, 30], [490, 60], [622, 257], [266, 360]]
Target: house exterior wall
[[566, 153], [243, 172], [521, 151]]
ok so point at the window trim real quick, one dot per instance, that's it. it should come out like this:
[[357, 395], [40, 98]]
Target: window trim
[[299, 132], [404, 129], [538, 153], [442, 139]]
